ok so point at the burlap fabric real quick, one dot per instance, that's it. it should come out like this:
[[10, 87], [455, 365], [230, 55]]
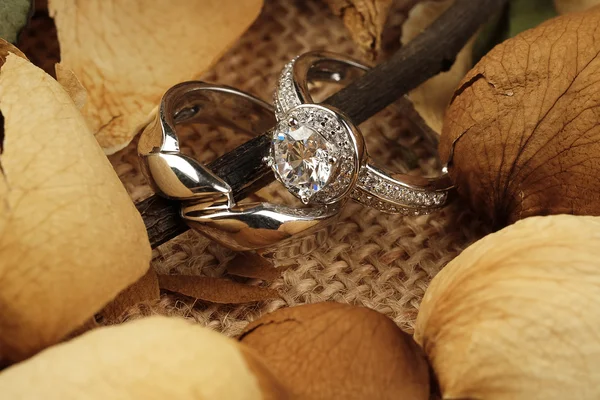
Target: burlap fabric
[[380, 261]]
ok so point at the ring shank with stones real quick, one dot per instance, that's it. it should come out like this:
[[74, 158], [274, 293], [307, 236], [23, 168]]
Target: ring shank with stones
[[305, 148]]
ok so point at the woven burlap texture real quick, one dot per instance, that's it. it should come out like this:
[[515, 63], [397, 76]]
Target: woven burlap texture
[[376, 260]]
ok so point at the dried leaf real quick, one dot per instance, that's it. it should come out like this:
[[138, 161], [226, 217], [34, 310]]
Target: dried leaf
[[127, 53], [569, 6], [431, 98], [337, 351], [215, 290], [252, 265], [155, 358], [72, 85], [522, 134], [144, 289], [14, 15], [365, 20], [70, 237]]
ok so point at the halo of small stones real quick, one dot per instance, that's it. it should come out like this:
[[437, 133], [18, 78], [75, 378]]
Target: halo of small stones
[[285, 97], [374, 190], [385, 194], [326, 123]]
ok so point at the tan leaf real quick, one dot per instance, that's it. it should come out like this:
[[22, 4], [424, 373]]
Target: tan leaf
[[522, 133], [364, 19], [215, 290], [70, 237], [569, 6], [72, 85], [516, 315], [128, 53], [337, 351], [155, 358], [432, 97], [144, 289], [252, 265]]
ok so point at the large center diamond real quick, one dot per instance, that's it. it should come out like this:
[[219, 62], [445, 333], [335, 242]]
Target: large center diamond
[[303, 159]]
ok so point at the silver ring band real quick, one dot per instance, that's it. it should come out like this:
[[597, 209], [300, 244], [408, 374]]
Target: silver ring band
[[207, 202], [378, 188]]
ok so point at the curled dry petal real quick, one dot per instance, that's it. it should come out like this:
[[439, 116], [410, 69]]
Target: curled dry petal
[[522, 134], [252, 265], [144, 290], [128, 53], [70, 237], [337, 351], [155, 358], [215, 290], [364, 19], [516, 315]]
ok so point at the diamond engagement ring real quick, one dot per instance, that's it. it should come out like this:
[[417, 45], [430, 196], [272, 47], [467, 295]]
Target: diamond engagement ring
[[207, 202], [319, 155]]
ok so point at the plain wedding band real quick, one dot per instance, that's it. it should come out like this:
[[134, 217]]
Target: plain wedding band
[[207, 202]]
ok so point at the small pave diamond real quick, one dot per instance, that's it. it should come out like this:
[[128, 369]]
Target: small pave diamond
[[381, 192], [285, 94], [302, 159]]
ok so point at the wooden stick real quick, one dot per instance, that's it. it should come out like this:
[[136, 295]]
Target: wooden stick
[[431, 52]]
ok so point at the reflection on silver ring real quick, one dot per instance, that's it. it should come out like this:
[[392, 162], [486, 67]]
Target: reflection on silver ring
[[376, 187], [207, 202]]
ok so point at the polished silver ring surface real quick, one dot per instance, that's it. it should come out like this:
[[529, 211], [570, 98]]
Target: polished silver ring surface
[[376, 187], [207, 201]]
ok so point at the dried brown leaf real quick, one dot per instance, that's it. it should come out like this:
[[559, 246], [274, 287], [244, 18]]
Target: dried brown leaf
[[155, 358], [522, 131], [215, 290], [337, 351], [70, 237], [433, 96], [144, 289], [365, 20], [128, 53], [252, 265]]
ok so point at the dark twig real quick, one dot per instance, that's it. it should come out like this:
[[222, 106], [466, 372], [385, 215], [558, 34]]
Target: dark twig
[[431, 52]]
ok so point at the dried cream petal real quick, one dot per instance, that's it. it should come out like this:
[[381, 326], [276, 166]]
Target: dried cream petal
[[70, 236], [516, 315], [128, 53], [153, 358]]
